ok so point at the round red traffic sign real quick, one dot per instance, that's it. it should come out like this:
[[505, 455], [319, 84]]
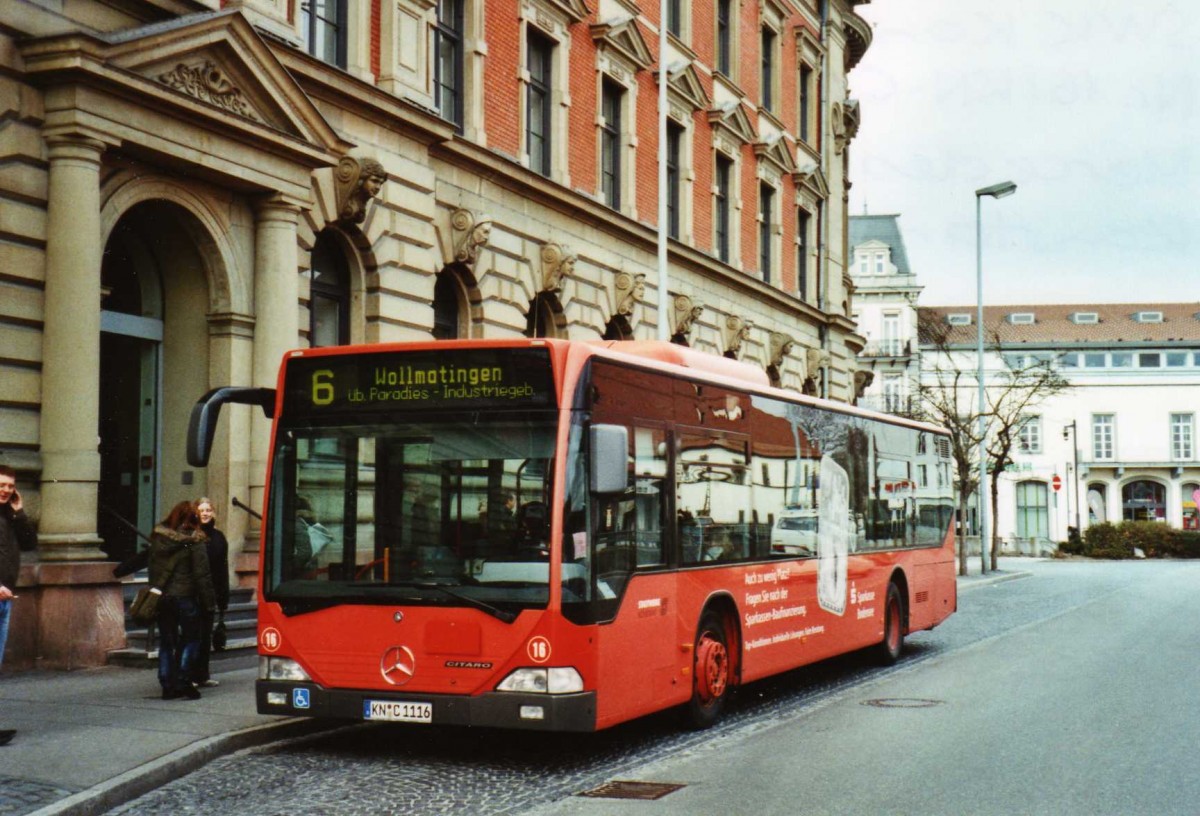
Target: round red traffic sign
[[1056, 482]]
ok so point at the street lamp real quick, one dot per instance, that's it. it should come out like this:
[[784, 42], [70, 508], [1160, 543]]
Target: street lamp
[[1075, 440], [1004, 188]]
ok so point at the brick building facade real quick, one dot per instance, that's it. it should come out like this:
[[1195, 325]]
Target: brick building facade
[[192, 187]]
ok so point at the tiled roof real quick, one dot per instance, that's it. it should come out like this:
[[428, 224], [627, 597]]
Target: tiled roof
[[1052, 323], [882, 228]]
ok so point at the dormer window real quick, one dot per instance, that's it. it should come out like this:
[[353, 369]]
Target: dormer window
[[1080, 318], [1148, 317], [1021, 318], [958, 319]]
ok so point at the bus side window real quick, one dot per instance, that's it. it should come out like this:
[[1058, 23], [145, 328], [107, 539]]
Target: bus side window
[[713, 497]]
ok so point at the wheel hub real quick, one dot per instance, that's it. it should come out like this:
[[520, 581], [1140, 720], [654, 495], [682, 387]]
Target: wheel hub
[[712, 668]]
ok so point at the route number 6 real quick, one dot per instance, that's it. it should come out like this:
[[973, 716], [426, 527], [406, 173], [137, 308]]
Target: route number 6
[[322, 387]]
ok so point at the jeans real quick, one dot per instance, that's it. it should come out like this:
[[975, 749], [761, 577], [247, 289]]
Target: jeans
[[178, 641], [5, 613]]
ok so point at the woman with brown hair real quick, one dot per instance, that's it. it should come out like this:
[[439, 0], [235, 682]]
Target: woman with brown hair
[[179, 568]]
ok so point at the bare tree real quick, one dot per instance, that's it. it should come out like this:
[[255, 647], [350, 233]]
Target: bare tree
[[945, 399], [1023, 384], [948, 392]]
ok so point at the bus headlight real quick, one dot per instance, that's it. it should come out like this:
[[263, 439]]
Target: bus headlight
[[281, 668], [563, 680]]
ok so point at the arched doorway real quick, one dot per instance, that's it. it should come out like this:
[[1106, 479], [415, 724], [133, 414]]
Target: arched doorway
[[618, 328], [545, 317], [1143, 500], [153, 365], [329, 293], [1191, 506], [1097, 503], [451, 306]]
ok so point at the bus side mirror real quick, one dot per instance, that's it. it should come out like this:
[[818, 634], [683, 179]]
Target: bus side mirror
[[202, 425], [607, 454]]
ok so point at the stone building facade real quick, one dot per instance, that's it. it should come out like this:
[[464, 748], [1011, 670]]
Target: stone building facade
[[189, 188], [1120, 443], [885, 310]]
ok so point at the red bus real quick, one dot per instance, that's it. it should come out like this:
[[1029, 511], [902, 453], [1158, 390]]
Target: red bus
[[567, 535]]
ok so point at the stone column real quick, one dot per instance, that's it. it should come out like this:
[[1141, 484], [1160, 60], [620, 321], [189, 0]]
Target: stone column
[[79, 606], [276, 330], [71, 353]]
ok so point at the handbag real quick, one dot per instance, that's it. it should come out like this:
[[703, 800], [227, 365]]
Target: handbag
[[144, 609], [219, 636]]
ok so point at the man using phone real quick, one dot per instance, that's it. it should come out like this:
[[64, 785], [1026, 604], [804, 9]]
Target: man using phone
[[16, 534]]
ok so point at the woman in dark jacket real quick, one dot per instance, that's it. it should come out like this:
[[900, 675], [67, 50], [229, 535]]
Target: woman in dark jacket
[[179, 567], [218, 563]]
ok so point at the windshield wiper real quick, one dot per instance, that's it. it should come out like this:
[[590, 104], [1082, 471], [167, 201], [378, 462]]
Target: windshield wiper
[[496, 612]]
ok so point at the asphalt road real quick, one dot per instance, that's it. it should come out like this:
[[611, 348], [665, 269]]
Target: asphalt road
[[1067, 692]]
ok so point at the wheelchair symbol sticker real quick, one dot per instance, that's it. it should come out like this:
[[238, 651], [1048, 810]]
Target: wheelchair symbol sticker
[[300, 698]]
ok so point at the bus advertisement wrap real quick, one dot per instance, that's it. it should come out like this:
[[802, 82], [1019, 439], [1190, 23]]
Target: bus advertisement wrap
[[413, 381], [833, 536]]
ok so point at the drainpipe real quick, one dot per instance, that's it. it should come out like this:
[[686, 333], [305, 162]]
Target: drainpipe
[[823, 239]]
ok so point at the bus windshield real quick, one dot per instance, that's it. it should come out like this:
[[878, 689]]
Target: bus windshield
[[449, 509]]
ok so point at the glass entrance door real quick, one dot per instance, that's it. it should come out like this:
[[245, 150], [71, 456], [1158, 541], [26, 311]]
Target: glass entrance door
[[129, 422]]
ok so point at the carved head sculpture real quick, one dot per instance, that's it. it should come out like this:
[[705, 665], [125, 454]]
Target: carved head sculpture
[[737, 330], [472, 234], [781, 347], [686, 313], [359, 179], [557, 264], [630, 289]]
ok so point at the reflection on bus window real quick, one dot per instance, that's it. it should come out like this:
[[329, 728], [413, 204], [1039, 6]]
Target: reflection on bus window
[[460, 501]]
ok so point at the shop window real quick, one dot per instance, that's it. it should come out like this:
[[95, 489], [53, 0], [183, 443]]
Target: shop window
[[1143, 500], [1191, 506]]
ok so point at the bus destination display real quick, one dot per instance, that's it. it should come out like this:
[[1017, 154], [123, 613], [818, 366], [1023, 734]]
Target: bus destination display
[[399, 381]]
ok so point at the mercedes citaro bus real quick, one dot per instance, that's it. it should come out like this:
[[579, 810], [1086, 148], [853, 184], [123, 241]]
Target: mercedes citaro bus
[[565, 535]]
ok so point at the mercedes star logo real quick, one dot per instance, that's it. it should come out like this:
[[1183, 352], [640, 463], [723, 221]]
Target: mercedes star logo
[[398, 665]]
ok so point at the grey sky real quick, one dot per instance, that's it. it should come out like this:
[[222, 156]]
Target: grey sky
[[1091, 106]]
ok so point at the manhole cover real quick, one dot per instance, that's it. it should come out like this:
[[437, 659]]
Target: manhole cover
[[623, 789], [903, 702]]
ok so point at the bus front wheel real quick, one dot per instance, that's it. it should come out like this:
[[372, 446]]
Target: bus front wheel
[[711, 672], [893, 627]]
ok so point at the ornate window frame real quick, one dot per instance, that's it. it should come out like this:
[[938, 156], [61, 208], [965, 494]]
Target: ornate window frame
[[621, 52], [809, 60], [551, 20]]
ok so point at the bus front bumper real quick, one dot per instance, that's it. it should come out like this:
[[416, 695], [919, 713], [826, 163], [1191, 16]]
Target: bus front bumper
[[497, 709]]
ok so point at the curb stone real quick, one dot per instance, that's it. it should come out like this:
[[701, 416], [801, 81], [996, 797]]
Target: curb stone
[[147, 777]]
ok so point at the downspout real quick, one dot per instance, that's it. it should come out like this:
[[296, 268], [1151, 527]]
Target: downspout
[[823, 239]]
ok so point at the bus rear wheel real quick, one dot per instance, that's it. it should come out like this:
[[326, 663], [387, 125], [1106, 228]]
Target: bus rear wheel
[[892, 645], [711, 672]]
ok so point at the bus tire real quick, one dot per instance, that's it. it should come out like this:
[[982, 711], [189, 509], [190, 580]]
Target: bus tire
[[711, 672], [892, 645]]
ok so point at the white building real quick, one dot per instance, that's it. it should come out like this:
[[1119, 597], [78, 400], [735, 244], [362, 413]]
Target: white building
[[1121, 442], [885, 309]]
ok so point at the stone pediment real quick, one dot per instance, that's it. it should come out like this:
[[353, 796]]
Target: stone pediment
[[575, 10], [686, 88], [812, 181], [624, 37], [210, 66], [222, 62], [733, 120], [774, 152]]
